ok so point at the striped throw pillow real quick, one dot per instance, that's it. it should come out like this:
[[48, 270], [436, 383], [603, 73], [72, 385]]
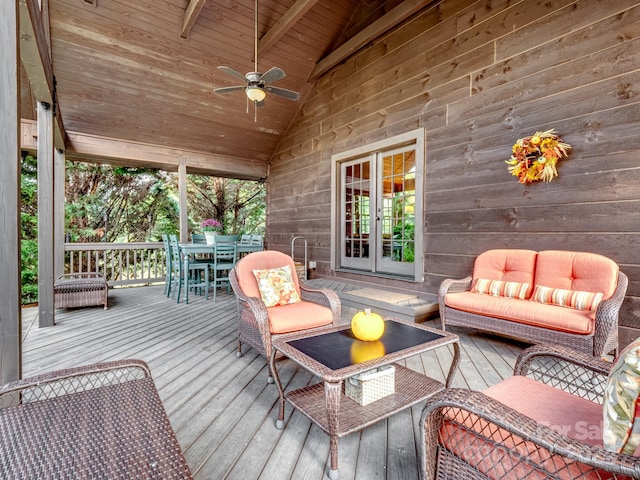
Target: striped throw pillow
[[500, 288], [567, 298]]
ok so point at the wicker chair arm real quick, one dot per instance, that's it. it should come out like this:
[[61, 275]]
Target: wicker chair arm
[[450, 286], [72, 380], [562, 367], [510, 420], [322, 296], [606, 322], [255, 304], [454, 286]]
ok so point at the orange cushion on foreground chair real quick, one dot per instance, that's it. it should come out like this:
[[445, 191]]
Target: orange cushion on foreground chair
[[570, 415]]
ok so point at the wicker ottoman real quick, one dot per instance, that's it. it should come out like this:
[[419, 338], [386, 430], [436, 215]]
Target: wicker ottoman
[[80, 290]]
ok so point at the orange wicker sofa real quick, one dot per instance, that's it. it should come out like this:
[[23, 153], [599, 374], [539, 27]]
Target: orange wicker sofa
[[553, 296]]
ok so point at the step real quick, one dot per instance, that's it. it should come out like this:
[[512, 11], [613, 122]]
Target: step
[[411, 307]]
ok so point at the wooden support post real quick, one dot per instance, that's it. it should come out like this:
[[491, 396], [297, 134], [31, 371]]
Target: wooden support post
[[58, 214], [45, 215], [10, 305], [184, 211]]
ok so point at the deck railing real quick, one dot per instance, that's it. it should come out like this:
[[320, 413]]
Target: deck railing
[[136, 263]]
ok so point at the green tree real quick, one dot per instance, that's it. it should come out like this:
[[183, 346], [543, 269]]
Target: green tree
[[116, 204], [238, 204], [29, 227]]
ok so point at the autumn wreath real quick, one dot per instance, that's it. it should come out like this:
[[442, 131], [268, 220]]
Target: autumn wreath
[[535, 157]]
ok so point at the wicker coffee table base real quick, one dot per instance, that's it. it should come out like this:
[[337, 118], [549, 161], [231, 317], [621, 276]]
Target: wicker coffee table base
[[326, 404]]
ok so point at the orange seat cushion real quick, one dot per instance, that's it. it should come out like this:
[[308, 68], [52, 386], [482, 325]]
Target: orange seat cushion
[[298, 316], [567, 414], [553, 317], [498, 454]]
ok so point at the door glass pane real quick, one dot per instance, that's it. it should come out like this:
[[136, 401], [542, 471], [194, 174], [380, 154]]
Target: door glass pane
[[357, 219], [397, 208]]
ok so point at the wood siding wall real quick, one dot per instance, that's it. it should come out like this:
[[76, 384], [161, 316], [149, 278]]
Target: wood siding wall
[[477, 78]]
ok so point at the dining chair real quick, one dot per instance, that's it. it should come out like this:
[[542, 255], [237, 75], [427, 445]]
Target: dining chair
[[245, 239], [224, 259], [167, 266], [197, 277], [257, 240], [198, 238]]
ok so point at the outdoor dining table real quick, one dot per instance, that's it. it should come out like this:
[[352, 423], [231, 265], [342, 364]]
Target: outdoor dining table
[[190, 249]]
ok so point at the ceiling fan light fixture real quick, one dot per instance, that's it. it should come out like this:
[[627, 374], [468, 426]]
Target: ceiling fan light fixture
[[255, 94]]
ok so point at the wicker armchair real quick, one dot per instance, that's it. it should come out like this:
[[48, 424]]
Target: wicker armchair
[[318, 308], [104, 420], [472, 435]]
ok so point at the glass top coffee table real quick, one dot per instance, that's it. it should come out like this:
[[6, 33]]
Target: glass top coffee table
[[328, 353]]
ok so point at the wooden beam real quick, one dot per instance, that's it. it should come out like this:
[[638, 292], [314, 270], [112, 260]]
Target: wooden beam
[[10, 308], [45, 215], [35, 56], [373, 31], [282, 26], [90, 148], [190, 16]]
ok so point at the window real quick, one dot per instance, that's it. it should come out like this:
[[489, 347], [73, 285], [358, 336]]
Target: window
[[378, 207]]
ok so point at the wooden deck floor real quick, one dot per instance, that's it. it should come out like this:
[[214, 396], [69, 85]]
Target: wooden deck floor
[[221, 407]]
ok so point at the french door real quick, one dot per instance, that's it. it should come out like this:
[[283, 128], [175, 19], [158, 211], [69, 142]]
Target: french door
[[378, 205]]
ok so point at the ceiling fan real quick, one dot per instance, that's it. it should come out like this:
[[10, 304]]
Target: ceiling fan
[[257, 84]]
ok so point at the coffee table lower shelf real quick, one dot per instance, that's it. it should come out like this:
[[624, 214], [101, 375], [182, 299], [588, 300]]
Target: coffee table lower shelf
[[410, 388]]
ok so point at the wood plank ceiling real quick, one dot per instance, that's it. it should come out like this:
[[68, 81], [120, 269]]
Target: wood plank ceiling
[[145, 70]]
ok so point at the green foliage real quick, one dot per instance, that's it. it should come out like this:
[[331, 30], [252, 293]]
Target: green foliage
[[123, 204], [29, 270], [118, 204], [238, 204], [29, 225]]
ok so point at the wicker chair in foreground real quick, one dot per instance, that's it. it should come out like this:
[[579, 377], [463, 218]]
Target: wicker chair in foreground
[[544, 422], [259, 321], [104, 420]]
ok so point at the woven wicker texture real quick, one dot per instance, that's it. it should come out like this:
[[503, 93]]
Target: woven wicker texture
[[468, 435], [80, 290], [326, 404], [253, 317], [603, 340], [104, 421]]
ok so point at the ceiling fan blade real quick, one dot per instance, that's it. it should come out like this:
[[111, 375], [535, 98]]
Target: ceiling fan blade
[[232, 72], [284, 93], [223, 90], [272, 75], [260, 104]]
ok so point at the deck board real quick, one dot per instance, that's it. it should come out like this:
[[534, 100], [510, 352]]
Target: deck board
[[221, 407]]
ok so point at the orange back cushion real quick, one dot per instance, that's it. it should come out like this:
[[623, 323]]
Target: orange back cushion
[[507, 265], [261, 261], [588, 272]]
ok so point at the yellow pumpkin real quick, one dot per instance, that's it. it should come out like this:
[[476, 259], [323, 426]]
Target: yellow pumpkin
[[367, 326], [364, 351]]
